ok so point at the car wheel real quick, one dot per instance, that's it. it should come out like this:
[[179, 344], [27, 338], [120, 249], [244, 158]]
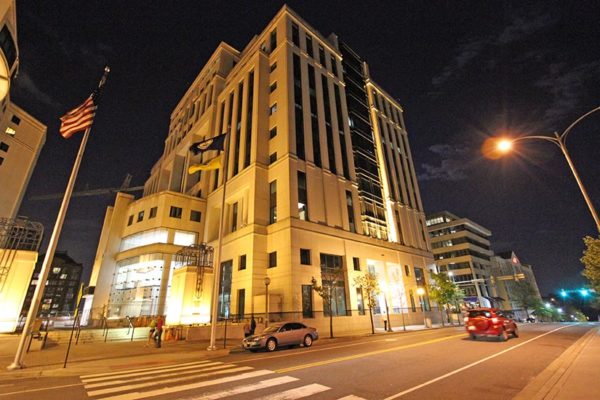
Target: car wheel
[[515, 332], [473, 336], [307, 341], [271, 344], [503, 335]]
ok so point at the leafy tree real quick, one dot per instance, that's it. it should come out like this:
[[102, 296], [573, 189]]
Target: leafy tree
[[370, 285], [445, 293], [330, 280], [525, 296], [591, 261]]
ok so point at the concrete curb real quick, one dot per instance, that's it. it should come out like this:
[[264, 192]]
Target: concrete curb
[[547, 384]]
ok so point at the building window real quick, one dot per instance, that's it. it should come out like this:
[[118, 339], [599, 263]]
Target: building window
[[130, 220], [356, 263], [406, 270], [322, 56], [140, 216], [273, 259], [242, 263], [15, 120], [333, 65], [273, 67], [56, 270], [241, 302], [273, 109], [63, 276], [412, 301], [332, 276], [419, 276], [195, 216], [298, 111], [234, 216], [4, 146], [295, 35], [273, 41], [273, 132], [175, 212], [307, 306], [309, 46], [153, 211], [10, 131], [1, 160], [360, 301], [350, 211], [273, 158], [273, 202], [272, 87], [305, 257], [302, 197]]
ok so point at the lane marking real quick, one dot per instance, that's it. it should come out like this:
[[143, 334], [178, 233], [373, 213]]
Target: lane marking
[[244, 388], [141, 369], [132, 374], [351, 397], [456, 371], [41, 389], [369, 353], [147, 378], [167, 390], [163, 381], [297, 393]]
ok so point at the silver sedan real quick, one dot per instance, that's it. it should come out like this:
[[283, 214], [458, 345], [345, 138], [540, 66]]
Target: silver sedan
[[283, 334]]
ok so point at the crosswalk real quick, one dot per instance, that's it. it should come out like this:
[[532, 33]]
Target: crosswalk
[[201, 380]]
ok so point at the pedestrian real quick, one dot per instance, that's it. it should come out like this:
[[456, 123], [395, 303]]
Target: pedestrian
[[247, 329], [252, 325], [159, 330], [151, 332]]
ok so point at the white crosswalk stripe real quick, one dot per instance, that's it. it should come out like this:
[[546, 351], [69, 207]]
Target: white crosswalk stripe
[[202, 380]]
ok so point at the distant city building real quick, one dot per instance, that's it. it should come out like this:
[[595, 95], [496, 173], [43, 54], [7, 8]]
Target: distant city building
[[319, 176], [506, 270], [462, 248], [21, 135], [62, 287]]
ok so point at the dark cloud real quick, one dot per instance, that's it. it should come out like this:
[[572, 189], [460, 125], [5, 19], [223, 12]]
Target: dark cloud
[[522, 27], [25, 83], [452, 166]]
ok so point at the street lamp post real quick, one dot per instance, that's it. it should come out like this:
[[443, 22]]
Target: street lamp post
[[267, 283], [505, 145]]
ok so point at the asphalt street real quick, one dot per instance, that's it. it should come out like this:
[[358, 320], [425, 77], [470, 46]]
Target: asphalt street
[[432, 364]]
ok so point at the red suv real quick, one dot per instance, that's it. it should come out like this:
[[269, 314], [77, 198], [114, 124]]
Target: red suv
[[490, 322]]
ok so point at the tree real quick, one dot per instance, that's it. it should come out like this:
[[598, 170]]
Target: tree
[[370, 285], [330, 280], [525, 296], [445, 292], [591, 261]]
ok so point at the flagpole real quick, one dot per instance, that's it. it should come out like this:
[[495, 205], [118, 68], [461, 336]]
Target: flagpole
[[217, 261], [39, 290]]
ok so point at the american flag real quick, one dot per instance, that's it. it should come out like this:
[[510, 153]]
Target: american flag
[[82, 117], [78, 119]]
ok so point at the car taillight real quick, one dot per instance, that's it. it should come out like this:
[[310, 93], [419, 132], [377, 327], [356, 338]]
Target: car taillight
[[495, 320], [466, 319]]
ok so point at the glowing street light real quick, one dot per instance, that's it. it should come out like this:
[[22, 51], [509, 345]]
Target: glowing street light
[[495, 147], [563, 293], [584, 292]]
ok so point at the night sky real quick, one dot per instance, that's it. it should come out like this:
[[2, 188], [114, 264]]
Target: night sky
[[462, 70]]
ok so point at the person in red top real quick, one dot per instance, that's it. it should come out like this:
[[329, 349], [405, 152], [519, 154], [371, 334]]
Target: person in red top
[[158, 331]]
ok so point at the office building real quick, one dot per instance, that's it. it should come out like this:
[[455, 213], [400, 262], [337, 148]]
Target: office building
[[319, 178]]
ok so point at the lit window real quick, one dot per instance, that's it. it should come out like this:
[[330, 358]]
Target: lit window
[[10, 131], [63, 276], [56, 270], [183, 238]]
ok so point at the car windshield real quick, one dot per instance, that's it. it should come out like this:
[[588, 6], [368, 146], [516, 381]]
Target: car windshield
[[271, 329], [479, 313]]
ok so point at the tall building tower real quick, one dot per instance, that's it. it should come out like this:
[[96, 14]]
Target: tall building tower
[[308, 190], [461, 248], [21, 135]]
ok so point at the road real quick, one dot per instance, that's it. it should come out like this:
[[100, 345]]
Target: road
[[433, 364]]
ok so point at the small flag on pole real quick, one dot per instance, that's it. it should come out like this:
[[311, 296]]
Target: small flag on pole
[[214, 163], [215, 143], [82, 117]]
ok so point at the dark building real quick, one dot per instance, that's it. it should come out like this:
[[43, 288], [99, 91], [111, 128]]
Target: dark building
[[60, 295]]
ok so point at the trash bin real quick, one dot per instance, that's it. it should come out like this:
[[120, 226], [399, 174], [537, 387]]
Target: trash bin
[[428, 323]]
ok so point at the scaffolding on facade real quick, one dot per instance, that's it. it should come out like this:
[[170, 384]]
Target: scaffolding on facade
[[17, 234], [196, 255]]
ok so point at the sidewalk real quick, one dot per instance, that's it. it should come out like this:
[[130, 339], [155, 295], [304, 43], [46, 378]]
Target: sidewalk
[[572, 376]]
